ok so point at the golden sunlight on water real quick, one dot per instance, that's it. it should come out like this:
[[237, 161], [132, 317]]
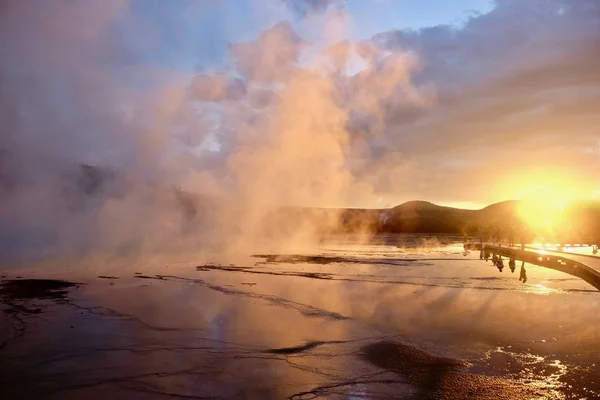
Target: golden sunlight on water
[[534, 370], [540, 289], [346, 320]]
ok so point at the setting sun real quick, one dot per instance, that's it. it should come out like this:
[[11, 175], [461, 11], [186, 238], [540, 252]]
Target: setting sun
[[545, 198], [542, 208]]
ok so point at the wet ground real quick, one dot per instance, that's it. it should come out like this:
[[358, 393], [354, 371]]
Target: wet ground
[[402, 318]]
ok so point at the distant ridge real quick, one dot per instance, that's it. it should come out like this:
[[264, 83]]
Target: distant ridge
[[419, 205], [418, 216], [579, 219]]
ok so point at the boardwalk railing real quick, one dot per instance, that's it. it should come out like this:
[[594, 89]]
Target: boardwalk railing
[[559, 262]]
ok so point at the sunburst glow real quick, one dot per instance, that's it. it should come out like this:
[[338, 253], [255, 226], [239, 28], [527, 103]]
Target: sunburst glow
[[542, 208]]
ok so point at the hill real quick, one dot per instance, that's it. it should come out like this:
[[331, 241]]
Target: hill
[[79, 184], [578, 221]]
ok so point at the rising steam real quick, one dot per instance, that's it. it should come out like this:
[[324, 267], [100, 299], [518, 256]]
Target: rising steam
[[189, 161]]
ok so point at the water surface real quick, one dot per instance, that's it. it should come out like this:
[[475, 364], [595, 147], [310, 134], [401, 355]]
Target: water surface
[[401, 317]]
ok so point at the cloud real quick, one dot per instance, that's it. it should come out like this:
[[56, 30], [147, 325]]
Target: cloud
[[304, 7], [515, 89], [217, 88], [272, 57]]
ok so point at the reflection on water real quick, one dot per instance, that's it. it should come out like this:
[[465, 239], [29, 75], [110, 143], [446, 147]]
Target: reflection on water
[[523, 273], [540, 289], [404, 316], [580, 266]]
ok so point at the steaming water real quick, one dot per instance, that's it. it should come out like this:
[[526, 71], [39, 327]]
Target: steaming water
[[296, 325]]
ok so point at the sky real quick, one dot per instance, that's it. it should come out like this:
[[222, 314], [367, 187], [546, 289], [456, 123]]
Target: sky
[[372, 17], [358, 103]]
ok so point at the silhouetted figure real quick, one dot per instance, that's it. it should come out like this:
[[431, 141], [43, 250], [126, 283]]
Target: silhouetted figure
[[494, 259], [486, 256], [512, 265], [523, 274], [500, 264], [511, 236], [481, 253]]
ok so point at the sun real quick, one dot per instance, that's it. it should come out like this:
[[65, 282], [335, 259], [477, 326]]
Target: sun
[[542, 208], [545, 195]]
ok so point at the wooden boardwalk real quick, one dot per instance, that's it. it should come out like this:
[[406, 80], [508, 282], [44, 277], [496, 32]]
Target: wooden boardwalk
[[581, 266]]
